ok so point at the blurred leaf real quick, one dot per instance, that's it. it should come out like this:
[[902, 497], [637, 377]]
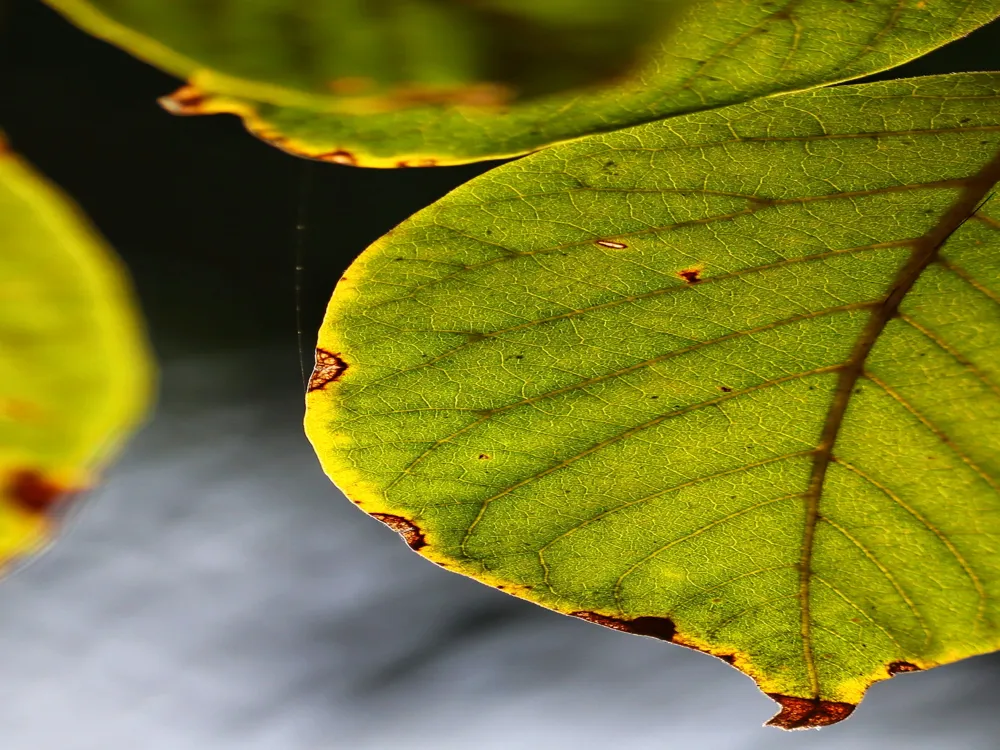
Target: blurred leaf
[[74, 369], [297, 73], [730, 381], [383, 55]]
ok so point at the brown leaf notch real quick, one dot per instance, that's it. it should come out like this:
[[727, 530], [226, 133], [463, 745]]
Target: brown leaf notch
[[187, 100], [412, 535], [662, 628], [329, 367], [902, 666], [808, 713]]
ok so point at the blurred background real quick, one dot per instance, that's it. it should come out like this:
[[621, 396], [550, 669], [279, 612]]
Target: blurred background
[[218, 592]]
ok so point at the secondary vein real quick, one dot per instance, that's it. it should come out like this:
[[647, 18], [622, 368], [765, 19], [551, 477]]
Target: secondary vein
[[925, 251]]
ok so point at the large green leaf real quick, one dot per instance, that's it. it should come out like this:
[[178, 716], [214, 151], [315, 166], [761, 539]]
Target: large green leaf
[[730, 380], [74, 368], [272, 62]]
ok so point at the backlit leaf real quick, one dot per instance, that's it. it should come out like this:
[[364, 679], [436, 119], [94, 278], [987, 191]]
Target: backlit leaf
[[730, 380], [316, 79], [74, 371]]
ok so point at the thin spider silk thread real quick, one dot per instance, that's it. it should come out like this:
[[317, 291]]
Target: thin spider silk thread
[[299, 252]]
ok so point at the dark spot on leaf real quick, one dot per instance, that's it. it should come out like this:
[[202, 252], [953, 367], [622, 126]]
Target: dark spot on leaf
[[662, 628], [518, 356], [489, 231], [902, 666], [691, 275], [484, 456], [654, 396], [808, 713], [725, 389], [30, 491], [410, 533], [329, 368], [965, 120], [338, 157], [612, 245]]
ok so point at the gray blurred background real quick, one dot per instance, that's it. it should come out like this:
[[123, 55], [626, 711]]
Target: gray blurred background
[[218, 593]]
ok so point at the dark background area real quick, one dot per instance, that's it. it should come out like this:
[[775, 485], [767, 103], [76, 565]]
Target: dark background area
[[218, 593]]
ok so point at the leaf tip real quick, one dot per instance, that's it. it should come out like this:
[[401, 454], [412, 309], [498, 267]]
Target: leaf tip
[[187, 100], [807, 713]]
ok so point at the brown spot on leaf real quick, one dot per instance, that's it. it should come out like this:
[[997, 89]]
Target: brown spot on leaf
[[725, 389], [30, 491], [416, 163], [329, 367], [808, 713], [338, 157], [412, 535], [187, 100], [350, 85], [902, 666], [612, 245], [476, 95], [484, 456], [691, 275], [662, 628]]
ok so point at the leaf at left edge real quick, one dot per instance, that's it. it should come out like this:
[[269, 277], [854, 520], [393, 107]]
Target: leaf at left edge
[[75, 371]]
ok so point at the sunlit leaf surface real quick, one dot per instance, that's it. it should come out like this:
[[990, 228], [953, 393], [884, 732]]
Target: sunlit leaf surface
[[74, 371], [338, 82], [729, 380]]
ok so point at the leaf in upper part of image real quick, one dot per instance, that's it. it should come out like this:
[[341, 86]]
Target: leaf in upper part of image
[[730, 380], [299, 73], [74, 368]]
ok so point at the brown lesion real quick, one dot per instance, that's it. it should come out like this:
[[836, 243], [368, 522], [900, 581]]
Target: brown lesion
[[411, 534], [329, 368], [690, 275], [187, 100], [662, 628], [902, 666], [340, 156], [32, 492], [808, 713], [425, 162]]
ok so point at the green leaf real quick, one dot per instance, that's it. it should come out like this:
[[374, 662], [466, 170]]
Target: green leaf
[[730, 380], [273, 64], [74, 369]]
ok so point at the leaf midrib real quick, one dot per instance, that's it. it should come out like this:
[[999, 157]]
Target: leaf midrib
[[925, 250]]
